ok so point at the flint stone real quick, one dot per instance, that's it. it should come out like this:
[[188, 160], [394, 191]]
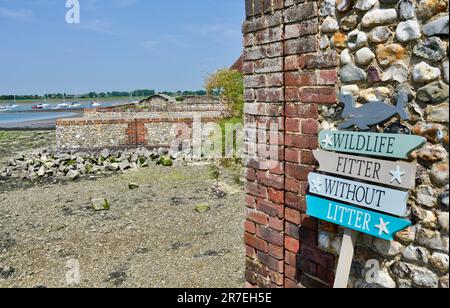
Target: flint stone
[[439, 174], [435, 92], [330, 25], [328, 8], [380, 34], [344, 6], [365, 56], [348, 23], [397, 72], [374, 74], [444, 282], [357, 39], [437, 27], [379, 17], [438, 113], [352, 73], [389, 54], [432, 239], [346, 57], [408, 30], [72, 175], [351, 89], [406, 10], [365, 5], [445, 69], [425, 73], [426, 196], [423, 277], [388, 248], [432, 49], [417, 255], [440, 262]]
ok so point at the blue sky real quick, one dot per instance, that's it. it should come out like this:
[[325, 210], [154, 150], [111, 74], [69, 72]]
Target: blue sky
[[119, 44]]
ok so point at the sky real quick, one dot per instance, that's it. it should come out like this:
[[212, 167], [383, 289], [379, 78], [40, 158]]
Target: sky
[[118, 44]]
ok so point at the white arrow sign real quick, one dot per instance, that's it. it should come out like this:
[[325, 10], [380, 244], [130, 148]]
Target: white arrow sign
[[370, 196]]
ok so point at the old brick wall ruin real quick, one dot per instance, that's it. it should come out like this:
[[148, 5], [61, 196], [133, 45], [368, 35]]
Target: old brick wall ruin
[[298, 56]]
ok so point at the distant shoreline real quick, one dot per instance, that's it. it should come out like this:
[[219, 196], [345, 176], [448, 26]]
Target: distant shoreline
[[47, 124]]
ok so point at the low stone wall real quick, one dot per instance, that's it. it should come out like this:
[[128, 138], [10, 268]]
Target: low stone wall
[[96, 134]]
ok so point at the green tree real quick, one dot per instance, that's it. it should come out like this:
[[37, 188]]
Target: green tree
[[229, 85]]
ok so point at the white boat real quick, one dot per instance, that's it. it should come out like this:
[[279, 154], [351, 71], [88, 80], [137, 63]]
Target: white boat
[[62, 105], [75, 105], [3, 108], [96, 104]]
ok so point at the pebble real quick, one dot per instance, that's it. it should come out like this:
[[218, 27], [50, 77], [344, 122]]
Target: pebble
[[339, 40], [351, 89], [100, 204], [365, 56], [439, 174], [445, 69], [351, 73], [408, 30], [349, 22], [389, 54], [380, 34], [324, 42], [435, 92], [424, 73], [426, 196], [424, 278], [328, 8], [376, 94], [439, 113], [437, 27], [374, 74], [432, 239], [417, 255], [379, 17], [397, 72], [344, 6], [346, 57], [357, 39], [330, 25], [406, 10], [432, 49], [443, 221], [440, 262], [388, 248], [365, 5], [443, 282]]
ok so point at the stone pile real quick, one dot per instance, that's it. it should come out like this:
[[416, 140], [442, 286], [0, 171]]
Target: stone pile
[[49, 164]]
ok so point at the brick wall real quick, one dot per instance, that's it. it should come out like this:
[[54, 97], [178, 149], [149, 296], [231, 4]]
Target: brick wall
[[287, 80], [92, 134]]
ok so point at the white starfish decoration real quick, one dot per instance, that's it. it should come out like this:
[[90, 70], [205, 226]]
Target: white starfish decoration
[[382, 227], [397, 175], [316, 184], [328, 141]]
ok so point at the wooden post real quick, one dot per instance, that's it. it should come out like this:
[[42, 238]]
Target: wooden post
[[345, 259]]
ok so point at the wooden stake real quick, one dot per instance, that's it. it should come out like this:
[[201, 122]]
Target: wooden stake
[[345, 259]]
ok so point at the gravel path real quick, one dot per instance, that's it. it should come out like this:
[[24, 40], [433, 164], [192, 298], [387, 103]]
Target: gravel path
[[151, 237]]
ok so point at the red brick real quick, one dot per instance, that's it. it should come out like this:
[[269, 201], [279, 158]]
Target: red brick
[[292, 244], [258, 217], [271, 236], [318, 95], [290, 258], [327, 77], [276, 251], [301, 141], [289, 284], [307, 158], [271, 209], [271, 180], [310, 126], [292, 155], [298, 172], [293, 125], [276, 196], [292, 94], [294, 201], [276, 278], [250, 227], [293, 216], [270, 262], [292, 185], [292, 230], [255, 242], [300, 79], [315, 255], [250, 252], [291, 63], [276, 224], [290, 272], [250, 202], [256, 190], [308, 222]]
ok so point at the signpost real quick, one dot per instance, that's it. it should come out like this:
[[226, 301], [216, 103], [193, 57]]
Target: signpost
[[396, 174], [373, 197], [358, 219], [371, 144], [346, 202]]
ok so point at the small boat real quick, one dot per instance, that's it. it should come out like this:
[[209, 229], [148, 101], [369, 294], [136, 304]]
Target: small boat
[[3, 108], [96, 104], [62, 105], [40, 106], [75, 105], [12, 106]]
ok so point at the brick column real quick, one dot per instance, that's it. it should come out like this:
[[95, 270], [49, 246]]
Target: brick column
[[287, 79]]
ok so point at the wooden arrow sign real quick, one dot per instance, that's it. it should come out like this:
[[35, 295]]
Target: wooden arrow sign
[[378, 225], [396, 174], [373, 197], [372, 144]]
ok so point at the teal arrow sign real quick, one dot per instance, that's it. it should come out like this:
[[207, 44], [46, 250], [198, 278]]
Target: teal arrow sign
[[375, 224], [372, 144]]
